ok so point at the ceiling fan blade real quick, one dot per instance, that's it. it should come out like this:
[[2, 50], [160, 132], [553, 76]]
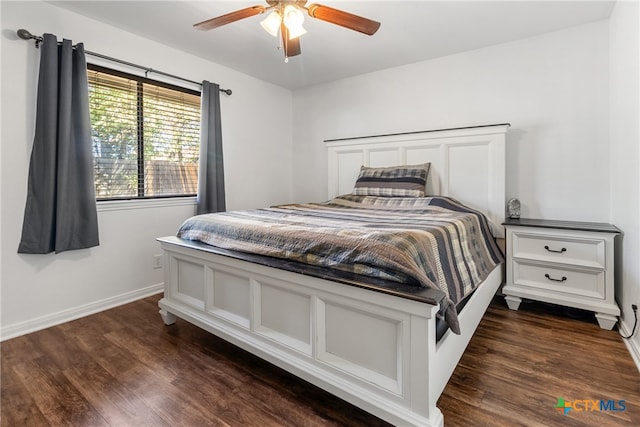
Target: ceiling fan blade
[[291, 47], [344, 19], [219, 21]]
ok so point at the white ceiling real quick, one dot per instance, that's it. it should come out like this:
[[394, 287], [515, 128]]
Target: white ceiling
[[411, 31]]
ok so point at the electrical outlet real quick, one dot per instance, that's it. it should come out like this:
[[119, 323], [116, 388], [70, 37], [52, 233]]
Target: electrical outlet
[[157, 261], [634, 307]]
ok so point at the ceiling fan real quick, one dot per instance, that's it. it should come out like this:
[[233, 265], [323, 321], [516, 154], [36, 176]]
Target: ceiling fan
[[286, 18]]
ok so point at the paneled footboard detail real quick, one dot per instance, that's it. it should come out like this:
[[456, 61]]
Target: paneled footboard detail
[[374, 350]]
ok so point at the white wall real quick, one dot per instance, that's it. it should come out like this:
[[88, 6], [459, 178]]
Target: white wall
[[625, 153], [553, 89], [40, 289]]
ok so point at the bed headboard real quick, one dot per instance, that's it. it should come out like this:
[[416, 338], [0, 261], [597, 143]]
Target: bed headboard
[[466, 163]]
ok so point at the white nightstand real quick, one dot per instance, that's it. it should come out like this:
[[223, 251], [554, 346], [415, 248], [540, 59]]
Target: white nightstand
[[562, 262]]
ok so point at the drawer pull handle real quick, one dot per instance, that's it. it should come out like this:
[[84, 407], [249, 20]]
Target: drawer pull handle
[[553, 250], [555, 280]]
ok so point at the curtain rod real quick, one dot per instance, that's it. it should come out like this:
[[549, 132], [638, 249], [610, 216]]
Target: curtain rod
[[26, 35]]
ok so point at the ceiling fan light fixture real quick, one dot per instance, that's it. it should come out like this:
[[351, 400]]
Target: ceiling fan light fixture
[[295, 32], [293, 19], [271, 23]]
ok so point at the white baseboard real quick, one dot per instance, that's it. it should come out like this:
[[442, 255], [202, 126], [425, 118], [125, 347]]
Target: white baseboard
[[28, 326], [633, 345]]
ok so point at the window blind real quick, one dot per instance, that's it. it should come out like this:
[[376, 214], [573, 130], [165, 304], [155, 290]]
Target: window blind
[[145, 136]]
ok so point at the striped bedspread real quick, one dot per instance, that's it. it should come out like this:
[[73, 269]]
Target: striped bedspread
[[429, 241]]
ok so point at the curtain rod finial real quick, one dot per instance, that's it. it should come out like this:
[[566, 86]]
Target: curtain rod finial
[[24, 34]]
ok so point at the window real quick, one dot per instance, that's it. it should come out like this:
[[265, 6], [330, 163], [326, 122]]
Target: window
[[146, 136]]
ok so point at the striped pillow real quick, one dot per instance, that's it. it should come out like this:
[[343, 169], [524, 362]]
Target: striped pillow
[[395, 181]]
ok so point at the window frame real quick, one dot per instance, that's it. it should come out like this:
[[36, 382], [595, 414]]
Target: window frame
[[140, 80]]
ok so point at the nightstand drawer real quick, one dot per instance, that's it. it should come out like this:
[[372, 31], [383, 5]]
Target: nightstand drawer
[[541, 247], [584, 283]]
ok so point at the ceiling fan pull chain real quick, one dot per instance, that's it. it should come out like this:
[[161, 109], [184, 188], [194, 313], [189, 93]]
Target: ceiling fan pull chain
[[280, 46]]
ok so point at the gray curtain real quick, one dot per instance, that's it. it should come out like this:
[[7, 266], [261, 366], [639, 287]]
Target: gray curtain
[[60, 212], [211, 169]]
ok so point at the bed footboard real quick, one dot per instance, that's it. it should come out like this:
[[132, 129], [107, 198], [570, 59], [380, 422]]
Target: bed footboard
[[306, 325]]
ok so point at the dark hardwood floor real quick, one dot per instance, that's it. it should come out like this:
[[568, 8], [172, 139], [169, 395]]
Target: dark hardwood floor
[[123, 367]]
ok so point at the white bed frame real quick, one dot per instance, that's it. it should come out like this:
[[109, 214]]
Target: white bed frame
[[374, 350]]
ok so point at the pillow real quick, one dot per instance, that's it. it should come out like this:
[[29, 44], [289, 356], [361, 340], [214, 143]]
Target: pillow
[[395, 181]]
